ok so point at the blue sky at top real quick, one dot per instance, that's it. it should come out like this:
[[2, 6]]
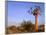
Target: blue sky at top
[[17, 12]]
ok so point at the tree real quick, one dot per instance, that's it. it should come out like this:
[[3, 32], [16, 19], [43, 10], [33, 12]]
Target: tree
[[36, 13], [28, 26]]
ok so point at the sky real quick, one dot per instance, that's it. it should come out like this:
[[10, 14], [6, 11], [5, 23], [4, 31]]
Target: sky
[[18, 11]]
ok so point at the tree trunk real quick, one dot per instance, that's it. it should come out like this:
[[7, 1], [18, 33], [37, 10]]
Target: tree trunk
[[36, 23]]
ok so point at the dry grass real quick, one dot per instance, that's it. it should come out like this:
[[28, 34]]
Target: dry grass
[[26, 27]]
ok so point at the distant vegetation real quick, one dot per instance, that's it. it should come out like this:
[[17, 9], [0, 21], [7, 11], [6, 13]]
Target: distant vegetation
[[25, 27]]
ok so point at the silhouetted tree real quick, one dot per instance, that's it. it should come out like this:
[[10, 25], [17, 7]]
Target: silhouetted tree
[[28, 26]]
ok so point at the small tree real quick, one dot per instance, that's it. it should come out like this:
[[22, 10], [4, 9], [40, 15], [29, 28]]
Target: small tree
[[27, 26]]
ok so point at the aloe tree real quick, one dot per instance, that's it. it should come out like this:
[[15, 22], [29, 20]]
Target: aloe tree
[[35, 12]]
